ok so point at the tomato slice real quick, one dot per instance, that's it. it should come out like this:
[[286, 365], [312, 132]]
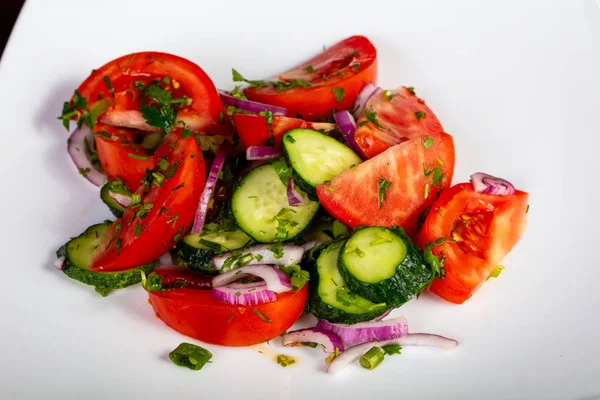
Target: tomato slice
[[401, 116], [166, 212], [197, 314], [254, 130], [181, 77], [393, 188], [346, 66], [484, 229], [119, 157]]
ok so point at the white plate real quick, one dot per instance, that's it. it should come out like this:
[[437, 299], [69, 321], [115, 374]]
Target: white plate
[[517, 84]]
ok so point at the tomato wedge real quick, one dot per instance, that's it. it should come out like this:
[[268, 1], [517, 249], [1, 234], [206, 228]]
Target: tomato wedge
[[180, 77], [119, 157], [197, 314], [254, 130], [393, 188], [331, 80], [393, 117], [148, 230], [483, 228]]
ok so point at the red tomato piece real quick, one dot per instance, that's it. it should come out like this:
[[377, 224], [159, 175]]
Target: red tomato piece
[[147, 231], [484, 229], [393, 188], [346, 66], [253, 130], [197, 314], [119, 157], [401, 116], [181, 77]]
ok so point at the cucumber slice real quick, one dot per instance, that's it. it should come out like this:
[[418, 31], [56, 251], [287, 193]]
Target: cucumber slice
[[113, 206], [78, 257], [197, 250], [384, 265], [260, 207], [330, 298], [316, 157]]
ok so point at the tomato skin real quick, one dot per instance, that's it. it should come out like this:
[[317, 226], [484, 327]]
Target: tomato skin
[[173, 209], [353, 196], [204, 115], [503, 223], [197, 314], [114, 155], [336, 63], [254, 131], [398, 116]]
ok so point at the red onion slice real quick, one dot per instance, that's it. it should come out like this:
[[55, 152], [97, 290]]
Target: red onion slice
[[262, 153], [59, 263], [363, 96], [277, 281], [249, 105], [382, 316], [165, 260], [249, 294], [488, 184], [367, 331], [329, 340], [347, 126], [121, 199], [291, 254], [412, 339], [211, 182], [308, 246], [81, 156], [295, 199]]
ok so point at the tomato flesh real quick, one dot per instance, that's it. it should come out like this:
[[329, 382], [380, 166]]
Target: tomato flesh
[[402, 116], [119, 157], [206, 114], [141, 237], [253, 130], [483, 228], [354, 196], [197, 314], [348, 65]]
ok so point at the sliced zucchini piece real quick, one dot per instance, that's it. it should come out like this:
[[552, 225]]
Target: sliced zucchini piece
[[260, 207], [384, 265], [316, 157], [197, 250], [78, 258], [330, 298]]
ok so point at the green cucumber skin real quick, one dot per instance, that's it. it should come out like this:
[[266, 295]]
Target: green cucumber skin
[[412, 275], [318, 307], [112, 205], [103, 282], [196, 259]]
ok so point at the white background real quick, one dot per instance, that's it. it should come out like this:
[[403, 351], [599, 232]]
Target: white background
[[515, 82]]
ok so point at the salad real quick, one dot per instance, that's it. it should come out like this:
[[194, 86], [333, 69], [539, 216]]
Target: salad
[[313, 191]]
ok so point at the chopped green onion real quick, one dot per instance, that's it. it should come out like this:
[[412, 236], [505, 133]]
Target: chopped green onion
[[496, 272], [372, 358], [284, 360], [138, 157], [262, 316], [190, 356]]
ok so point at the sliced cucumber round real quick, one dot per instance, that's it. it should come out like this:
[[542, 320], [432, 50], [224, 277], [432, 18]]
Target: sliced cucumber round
[[197, 250], [383, 265], [260, 207], [78, 258], [316, 157], [113, 206], [330, 298]]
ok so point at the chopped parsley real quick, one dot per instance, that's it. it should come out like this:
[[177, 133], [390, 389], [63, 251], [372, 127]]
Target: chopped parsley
[[109, 85], [354, 53], [427, 143], [420, 115], [338, 93], [392, 349], [138, 230], [279, 86], [436, 263], [371, 116], [277, 250], [298, 276], [152, 282], [383, 188], [356, 67], [284, 360], [160, 109], [309, 68], [411, 90]]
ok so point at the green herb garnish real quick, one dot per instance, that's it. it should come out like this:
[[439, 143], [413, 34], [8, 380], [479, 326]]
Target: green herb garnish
[[372, 358], [495, 272], [261, 315], [371, 116], [190, 356], [383, 186], [420, 115], [427, 143], [338, 93]]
